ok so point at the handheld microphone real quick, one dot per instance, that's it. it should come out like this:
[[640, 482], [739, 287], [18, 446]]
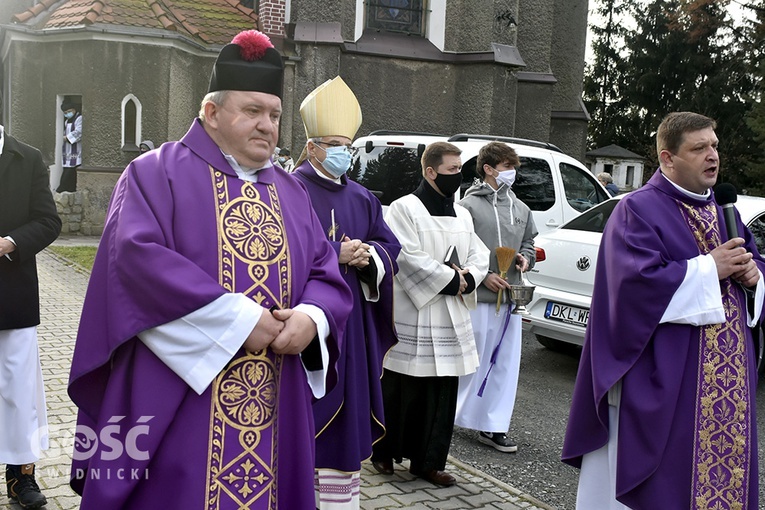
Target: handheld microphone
[[726, 196]]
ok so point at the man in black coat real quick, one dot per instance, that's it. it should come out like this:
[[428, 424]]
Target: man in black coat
[[28, 223]]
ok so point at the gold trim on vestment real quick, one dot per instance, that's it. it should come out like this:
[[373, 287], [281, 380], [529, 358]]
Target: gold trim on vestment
[[722, 435], [243, 409]]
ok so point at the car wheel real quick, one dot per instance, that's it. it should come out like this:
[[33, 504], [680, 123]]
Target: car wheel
[[552, 344]]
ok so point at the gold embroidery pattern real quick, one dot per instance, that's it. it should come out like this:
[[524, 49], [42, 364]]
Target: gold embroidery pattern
[[252, 229], [242, 443], [722, 436], [247, 394], [246, 401]]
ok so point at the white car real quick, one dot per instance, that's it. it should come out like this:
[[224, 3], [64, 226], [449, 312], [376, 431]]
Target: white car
[[565, 272], [556, 187]]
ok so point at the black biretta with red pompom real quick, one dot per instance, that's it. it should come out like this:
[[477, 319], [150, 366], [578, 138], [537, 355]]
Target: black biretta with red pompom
[[249, 63]]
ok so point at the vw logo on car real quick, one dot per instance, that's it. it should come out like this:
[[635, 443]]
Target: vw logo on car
[[583, 264]]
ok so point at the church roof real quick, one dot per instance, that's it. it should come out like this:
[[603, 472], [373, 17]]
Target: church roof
[[613, 151], [206, 21]]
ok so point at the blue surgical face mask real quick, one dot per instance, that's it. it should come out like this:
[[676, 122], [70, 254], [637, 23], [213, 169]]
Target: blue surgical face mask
[[507, 177], [68, 115], [338, 160]]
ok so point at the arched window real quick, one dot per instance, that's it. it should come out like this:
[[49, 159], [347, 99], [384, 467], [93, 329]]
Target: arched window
[[131, 122]]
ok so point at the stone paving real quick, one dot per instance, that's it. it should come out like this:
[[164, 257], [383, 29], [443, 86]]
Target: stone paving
[[62, 289]]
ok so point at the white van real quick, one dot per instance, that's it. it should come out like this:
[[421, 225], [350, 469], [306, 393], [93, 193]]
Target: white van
[[556, 187]]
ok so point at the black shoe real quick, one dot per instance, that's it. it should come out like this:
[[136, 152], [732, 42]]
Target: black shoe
[[498, 441], [22, 486], [436, 477], [384, 467]]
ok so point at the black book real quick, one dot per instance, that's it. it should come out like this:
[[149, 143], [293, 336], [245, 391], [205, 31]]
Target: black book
[[452, 257]]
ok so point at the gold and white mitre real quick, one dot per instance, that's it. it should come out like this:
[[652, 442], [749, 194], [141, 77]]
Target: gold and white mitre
[[331, 110]]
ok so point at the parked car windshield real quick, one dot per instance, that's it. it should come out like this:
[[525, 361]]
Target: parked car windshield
[[393, 171], [593, 220], [533, 182], [388, 172]]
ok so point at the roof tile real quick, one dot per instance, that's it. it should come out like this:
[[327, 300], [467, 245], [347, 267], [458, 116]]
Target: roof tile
[[210, 21]]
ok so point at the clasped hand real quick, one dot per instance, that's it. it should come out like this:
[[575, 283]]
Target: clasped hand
[[733, 260], [286, 331], [354, 252], [463, 281]]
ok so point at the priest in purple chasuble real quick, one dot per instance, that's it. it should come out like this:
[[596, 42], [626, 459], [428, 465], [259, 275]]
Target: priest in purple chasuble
[[663, 412], [212, 316], [349, 418]]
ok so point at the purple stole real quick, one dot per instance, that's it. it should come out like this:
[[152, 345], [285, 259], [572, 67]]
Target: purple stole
[[722, 435], [253, 258]]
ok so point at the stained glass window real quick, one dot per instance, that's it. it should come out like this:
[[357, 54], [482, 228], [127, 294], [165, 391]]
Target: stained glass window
[[405, 16]]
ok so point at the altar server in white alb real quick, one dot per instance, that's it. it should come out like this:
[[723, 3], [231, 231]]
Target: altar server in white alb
[[487, 397], [71, 149], [431, 309]]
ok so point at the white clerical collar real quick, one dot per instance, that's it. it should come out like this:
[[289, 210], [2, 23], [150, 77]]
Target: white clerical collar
[[2, 138], [684, 191], [321, 174], [246, 174]]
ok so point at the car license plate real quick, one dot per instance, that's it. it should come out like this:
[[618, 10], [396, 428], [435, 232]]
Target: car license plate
[[566, 313]]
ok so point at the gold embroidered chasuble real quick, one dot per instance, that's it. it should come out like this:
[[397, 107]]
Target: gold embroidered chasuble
[[253, 259], [722, 436]]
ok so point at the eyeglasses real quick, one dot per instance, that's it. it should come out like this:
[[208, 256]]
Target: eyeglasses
[[351, 149]]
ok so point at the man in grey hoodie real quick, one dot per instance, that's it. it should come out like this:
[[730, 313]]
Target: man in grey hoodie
[[486, 397]]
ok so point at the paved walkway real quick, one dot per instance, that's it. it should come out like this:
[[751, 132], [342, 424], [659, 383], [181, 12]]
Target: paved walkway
[[62, 288]]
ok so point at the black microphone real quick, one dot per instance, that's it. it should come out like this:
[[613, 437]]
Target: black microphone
[[726, 196]]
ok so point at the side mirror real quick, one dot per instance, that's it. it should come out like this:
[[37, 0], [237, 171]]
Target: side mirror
[[369, 147]]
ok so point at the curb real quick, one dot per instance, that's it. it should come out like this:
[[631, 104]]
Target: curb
[[68, 262], [499, 483]]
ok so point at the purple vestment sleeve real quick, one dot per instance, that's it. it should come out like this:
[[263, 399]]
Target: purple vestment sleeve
[[350, 418], [641, 263], [139, 279], [634, 266], [182, 229]]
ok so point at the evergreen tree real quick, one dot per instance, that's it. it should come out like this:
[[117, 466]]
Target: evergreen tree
[[603, 77], [685, 55], [754, 47]]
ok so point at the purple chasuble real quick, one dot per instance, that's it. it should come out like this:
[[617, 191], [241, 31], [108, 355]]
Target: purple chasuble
[[182, 230], [687, 436], [349, 419]]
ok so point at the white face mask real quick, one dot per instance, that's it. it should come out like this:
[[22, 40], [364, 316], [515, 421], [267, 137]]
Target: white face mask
[[507, 177]]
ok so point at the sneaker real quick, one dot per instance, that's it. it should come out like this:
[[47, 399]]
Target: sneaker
[[22, 486], [498, 441]]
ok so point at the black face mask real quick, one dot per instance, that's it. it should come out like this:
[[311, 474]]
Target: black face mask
[[448, 184]]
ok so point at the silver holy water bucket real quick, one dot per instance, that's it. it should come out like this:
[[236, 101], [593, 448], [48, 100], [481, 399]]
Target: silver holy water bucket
[[521, 295]]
